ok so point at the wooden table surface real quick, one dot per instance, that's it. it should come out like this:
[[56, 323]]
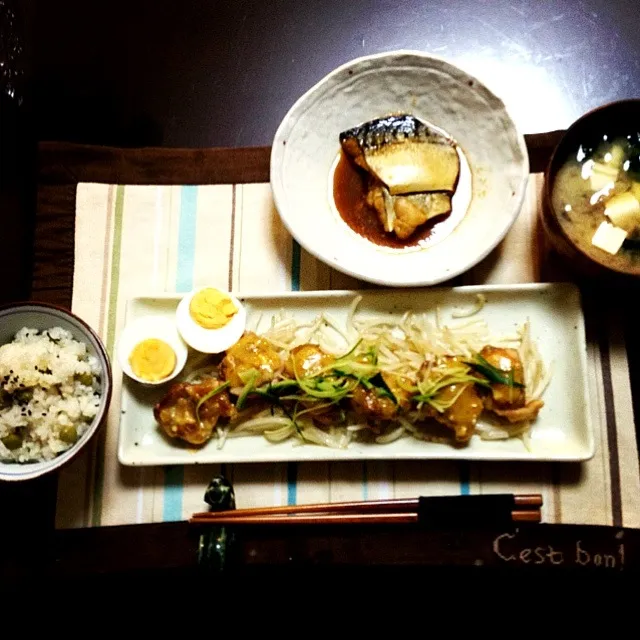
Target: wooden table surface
[[222, 74]]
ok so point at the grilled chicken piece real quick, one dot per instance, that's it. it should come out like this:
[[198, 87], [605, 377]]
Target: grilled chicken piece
[[528, 412], [307, 360], [250, 352], [404, 154], [504, 396], [463, 414], [397, 385], [402, 215], [505, 401], [369, 404], [176, 412]]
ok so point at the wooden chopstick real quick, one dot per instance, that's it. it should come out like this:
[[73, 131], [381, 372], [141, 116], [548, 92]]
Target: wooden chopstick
[[226, 518], [524, 502]]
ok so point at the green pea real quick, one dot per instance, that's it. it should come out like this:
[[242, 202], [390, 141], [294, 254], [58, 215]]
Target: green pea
[[68, 434], [85, 378], [12, 441], [22, 396]]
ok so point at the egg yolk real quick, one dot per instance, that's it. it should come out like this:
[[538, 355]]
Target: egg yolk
[[211, 309], [152, 360]]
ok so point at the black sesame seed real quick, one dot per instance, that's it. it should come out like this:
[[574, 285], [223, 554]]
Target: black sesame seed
[[44, 413]]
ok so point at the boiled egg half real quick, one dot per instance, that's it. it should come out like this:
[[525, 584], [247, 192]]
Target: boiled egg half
[[151, 351], [210, 320]]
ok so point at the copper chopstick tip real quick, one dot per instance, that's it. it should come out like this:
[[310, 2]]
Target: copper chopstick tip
[[528, 500], [533, 515]]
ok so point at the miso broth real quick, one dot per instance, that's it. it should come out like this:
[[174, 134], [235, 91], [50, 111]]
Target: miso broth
[[600, 183]]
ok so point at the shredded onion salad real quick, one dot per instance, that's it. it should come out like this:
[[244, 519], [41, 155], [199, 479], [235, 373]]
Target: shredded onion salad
[[400, 371]]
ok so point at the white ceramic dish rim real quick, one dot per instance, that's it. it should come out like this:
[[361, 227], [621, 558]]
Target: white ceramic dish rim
[[30, 471], [285, 124], [325, 454]]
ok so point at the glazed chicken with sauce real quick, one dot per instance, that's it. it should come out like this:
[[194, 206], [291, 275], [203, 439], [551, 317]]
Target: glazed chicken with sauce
[[178, 414], [251, 352], [462, 416], [399, 387], [373, 406], [307, 360], [507, 401], [379, 399]]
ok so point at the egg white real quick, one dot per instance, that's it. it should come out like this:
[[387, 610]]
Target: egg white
[[210, 340], [151, 327]]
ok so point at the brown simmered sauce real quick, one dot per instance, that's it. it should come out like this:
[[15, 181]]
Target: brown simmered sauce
[[349, 195]]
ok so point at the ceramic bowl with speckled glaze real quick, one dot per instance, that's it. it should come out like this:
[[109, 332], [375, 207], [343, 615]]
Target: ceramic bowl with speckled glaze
[[42, 316], [491, 187]]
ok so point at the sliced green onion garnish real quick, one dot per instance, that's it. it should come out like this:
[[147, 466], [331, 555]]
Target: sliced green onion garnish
[[265, 394], [361, 369], [351, 351], [251, 375], [441, 405], [429, 390], [208, 396], [382, 387], [330, 391], [248, 388], [281, 387], [481, 365], [324, 405]]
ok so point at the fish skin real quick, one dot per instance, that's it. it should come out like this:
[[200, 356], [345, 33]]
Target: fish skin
[[403, 153], [390, 129]]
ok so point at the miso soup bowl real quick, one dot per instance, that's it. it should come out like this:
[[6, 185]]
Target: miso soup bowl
[[611, 119]]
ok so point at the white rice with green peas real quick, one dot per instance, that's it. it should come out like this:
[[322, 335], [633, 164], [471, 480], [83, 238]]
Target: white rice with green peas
[[49, 394]]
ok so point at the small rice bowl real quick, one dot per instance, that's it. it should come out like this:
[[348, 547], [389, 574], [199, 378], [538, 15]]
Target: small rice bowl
[[50, 392]]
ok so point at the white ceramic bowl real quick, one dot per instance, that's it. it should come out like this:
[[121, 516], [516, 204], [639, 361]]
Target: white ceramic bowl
[[306, 146], [43, 316]]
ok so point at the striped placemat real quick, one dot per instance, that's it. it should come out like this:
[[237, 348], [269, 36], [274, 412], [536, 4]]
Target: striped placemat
[[132, 240]]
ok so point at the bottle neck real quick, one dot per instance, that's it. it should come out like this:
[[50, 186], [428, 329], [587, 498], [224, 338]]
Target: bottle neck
[[12, 56]]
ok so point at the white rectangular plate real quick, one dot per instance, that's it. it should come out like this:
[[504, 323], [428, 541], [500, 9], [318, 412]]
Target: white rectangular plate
[[562, 431]]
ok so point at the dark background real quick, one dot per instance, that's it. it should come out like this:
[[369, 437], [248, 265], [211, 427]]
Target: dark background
[[212, 73], [200, 73], [204, 73]]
